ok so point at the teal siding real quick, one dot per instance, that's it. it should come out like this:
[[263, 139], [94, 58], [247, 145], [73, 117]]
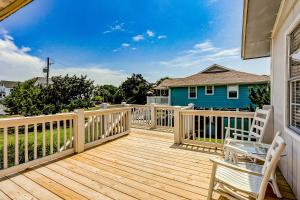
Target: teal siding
[[179, 97]]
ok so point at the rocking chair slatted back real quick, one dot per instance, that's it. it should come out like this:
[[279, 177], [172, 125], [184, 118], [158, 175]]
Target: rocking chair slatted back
[[273, 156], [259, 124]]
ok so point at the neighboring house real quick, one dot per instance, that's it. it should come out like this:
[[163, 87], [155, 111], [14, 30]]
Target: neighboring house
[[5, 88], [42, 81], [216, 87], [272, 28]]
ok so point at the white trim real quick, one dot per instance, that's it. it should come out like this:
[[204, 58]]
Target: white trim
[[213, 90], [189, 92], [238, 92], [287, 108]]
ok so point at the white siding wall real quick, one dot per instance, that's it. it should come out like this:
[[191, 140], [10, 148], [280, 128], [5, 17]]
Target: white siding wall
[[290, 164]]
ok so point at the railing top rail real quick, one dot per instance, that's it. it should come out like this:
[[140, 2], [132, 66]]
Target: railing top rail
[[164, 107], [217, 113], [19, 121], [139, 106], [106, 111]]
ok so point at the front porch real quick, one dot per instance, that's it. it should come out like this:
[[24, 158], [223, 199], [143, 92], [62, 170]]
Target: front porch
[[142, 165]]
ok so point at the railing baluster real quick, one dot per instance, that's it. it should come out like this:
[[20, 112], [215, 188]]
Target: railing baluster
[[204, 131], [44, 139], [210, 118], [65, 134], [93, 128], [5, 156], [222, 129], [193, 124], [89, 130], [26, 143], [58, 135], [51, 137], [198, 138], [242, 127], [71, 132], [35, 142], [16, 145], [216, 130]]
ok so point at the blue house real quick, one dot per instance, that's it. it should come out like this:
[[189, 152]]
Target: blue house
[[216, 87]]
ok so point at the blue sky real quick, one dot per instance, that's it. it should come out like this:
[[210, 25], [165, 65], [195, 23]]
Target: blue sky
[[109, 40]]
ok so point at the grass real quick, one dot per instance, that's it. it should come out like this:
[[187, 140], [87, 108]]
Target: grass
[[11, 144]]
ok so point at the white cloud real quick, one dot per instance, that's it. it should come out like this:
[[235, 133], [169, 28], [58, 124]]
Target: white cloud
[[125, 45], [138, 38], [205, 46], [150, 33], [160, 37], [202, 54], [97, 73], [115, 27], [18, 65]]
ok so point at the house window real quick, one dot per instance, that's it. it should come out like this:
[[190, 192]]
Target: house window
[[294, 80], [192, 92], [232, 91], [209, 90]]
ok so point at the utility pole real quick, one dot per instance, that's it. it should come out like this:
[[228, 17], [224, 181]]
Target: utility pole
[[46, 70]]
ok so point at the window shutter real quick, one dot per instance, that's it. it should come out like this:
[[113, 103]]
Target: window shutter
[[294, 53]]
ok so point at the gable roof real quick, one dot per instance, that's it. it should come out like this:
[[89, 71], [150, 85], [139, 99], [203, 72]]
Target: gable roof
[[215, 75], [8, 84]]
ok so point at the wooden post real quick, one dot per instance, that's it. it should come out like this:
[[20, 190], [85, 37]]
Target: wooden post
[[269, 135], [177, 122], [153, 116], [79, 132]]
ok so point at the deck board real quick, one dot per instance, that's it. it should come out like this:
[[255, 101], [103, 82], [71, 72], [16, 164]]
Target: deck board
[[142, 165]]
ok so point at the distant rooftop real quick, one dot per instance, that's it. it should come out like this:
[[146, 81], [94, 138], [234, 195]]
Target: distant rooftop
[[215, 75], [8, 84]]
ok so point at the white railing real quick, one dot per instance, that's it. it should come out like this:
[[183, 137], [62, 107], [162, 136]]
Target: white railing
[[161, 100], [104, 125], [208, 127], [155, 116], [28, 141], [141, 115]]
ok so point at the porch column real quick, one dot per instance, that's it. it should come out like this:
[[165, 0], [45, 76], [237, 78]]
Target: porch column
[[153, 116], [177, 125], [79, 131]]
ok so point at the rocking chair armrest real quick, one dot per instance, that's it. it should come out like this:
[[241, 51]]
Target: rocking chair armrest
[[235, 129], [234, 167], [245, 136]]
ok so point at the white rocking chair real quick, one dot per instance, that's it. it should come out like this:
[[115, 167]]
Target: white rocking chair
[[255, 133], [240, 181]]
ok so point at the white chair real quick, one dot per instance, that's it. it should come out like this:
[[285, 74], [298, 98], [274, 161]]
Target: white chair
[[255, 134], [244, 180]]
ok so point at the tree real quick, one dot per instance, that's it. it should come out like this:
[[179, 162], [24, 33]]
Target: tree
[[260, 95], [161, 80], [25, 99], [135, 89], [65, 94], [107, 92]]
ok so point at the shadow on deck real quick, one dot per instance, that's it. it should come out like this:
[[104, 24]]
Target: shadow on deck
[[142, 165]]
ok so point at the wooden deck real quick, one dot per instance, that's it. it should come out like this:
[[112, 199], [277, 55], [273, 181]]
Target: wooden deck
[[143, 165]]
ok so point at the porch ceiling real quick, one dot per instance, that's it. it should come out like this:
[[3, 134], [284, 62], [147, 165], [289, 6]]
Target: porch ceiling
[[8, 7], [258, 21]]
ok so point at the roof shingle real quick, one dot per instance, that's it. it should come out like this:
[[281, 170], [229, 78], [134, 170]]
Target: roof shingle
[[215, 75]]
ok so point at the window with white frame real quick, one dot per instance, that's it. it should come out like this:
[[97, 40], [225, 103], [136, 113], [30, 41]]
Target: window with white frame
[[294, 79], [232, 91], [192, 92], [209, 90]]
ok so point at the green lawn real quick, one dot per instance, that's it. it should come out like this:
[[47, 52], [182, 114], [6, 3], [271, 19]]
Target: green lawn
[[11, 144]]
